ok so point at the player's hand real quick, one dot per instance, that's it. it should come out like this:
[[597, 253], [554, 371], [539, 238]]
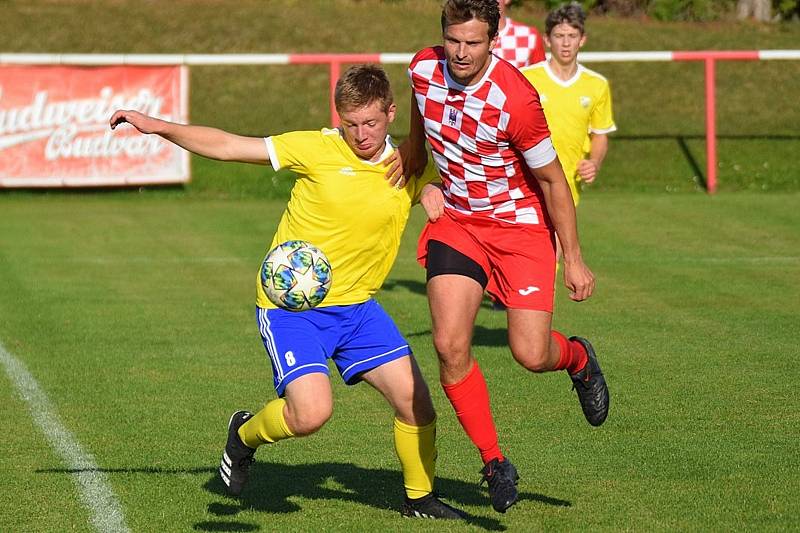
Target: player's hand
[[432, 200], [587, 170], [141, 122], [405, 163], [394, 170], [579, 280]]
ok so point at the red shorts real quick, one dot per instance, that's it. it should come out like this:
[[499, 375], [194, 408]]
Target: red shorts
[[519, 259]]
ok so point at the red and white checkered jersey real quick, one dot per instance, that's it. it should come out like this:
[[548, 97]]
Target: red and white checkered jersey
[[484, 138], [519, 44]]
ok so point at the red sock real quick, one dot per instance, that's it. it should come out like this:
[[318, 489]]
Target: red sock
[[573, 354], [470, 399]]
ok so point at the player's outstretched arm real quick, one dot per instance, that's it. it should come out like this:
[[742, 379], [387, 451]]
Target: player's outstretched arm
[[558, 199], [208, 142]]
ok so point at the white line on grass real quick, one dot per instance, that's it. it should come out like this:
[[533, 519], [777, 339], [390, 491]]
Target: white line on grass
[[94, 489]]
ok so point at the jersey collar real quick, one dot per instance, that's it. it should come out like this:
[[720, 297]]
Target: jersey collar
[[387, 150], [559, 81]]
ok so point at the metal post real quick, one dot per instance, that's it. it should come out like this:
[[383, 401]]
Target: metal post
[[711, 128], [335, 68]]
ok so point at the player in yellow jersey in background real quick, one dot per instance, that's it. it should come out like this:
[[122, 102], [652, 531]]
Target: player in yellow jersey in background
[[576, 100], [343, 204]]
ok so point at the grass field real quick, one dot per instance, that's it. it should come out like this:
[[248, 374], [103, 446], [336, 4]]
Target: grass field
[[134, 314]]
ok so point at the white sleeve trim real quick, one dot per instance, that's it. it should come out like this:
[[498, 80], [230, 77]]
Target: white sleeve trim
[[541, 154], [603, 131], [273, 155]]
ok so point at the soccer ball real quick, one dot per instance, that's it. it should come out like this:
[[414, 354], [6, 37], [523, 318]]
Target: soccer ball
[[296, 275]]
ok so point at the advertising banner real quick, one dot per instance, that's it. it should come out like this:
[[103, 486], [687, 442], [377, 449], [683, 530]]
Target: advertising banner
[[54, 128]]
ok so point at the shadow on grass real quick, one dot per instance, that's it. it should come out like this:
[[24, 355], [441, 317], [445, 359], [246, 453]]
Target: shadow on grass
[[691, 160], [144, 470], [272, 485], [417, 287], [482, 336], [495, 337], [116, 190], [702, 179]]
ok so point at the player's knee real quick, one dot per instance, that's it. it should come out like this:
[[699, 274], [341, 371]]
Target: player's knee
[[309, 419], [414, 406], [537, 366], [451, 349], [534, 360]]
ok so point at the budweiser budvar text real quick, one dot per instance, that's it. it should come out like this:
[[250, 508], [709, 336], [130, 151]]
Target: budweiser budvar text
[[54, 126]]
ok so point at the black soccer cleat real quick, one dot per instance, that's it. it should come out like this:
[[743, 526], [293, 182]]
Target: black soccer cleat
[[237, 457], [502, 479], [430, 506], [591, 387]]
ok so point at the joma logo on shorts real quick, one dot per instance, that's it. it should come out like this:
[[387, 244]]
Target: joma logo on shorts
[[530, 290]]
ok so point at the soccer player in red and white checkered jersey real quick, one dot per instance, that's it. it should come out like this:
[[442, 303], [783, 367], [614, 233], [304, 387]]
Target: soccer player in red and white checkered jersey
[[519, 44], [504, 197]]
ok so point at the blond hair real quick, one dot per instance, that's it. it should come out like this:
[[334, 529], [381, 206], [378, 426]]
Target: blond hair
[[360, 86]]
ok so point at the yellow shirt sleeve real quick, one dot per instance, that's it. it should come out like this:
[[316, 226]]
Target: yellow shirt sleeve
[[294, 150], [602, 118]]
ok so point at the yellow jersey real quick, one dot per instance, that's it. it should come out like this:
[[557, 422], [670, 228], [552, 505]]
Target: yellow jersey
[[574, 109], [344, 206]]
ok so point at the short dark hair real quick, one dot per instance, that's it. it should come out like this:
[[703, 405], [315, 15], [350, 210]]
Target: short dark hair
[[361, 85], [571, 14], [460, 11]]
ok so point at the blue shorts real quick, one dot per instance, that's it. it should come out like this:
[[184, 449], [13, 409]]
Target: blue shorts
[[356, 337]]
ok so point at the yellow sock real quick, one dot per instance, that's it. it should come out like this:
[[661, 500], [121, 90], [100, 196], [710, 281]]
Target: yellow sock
[[267, 426], [416, 449]]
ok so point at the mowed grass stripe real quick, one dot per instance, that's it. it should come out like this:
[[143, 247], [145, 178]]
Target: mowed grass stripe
[[96, 493]]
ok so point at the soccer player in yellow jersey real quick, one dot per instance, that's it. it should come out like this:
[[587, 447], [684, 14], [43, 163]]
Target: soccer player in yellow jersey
[[576, 100], [343, 204]]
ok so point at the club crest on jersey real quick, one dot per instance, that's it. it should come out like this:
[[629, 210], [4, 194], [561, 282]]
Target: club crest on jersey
[[585, 101], [453, 116]]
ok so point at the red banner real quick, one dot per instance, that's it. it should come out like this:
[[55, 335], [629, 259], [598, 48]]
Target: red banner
[[54, 126]]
